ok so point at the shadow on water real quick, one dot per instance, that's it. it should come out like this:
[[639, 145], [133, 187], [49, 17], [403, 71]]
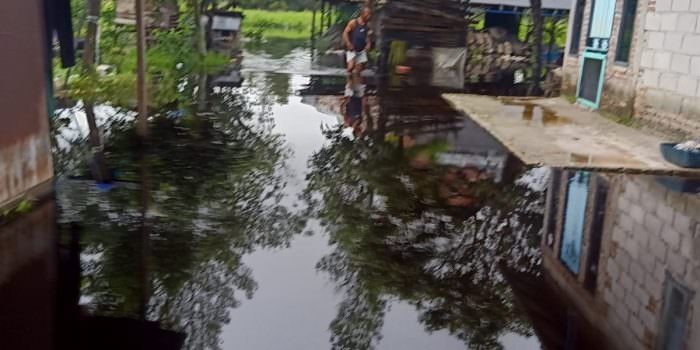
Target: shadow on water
[[420, 208]]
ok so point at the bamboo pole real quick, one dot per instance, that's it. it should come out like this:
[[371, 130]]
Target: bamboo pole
[[142, 121]]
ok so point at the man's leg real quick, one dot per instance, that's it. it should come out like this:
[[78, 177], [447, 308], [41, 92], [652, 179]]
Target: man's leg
[[351, 57], [360, 61]]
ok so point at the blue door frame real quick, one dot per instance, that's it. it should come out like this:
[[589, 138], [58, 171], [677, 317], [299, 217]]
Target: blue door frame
[[591, 55], [597, 46]]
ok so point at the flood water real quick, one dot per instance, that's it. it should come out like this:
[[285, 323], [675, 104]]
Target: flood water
[[261, 223]]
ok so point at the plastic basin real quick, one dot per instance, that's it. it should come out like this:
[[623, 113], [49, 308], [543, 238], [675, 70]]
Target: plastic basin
[[681, 158]]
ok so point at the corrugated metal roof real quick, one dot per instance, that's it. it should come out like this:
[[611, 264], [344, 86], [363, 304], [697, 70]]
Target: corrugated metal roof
[[547, 4]]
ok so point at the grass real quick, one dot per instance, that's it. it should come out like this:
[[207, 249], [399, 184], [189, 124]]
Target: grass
[[22, 207], [626, 120], [262, 24], [569, 98]]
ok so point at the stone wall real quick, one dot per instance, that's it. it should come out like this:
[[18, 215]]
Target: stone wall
[[669, 96], [25, 152]]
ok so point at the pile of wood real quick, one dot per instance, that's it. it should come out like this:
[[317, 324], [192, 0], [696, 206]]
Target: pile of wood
[[426, 23], [494, 55]]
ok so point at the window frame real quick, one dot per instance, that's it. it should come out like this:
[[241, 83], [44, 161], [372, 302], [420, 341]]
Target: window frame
[[577, 28], [628, 21]]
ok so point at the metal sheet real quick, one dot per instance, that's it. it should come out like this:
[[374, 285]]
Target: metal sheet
[[448, 67], [226, 23]]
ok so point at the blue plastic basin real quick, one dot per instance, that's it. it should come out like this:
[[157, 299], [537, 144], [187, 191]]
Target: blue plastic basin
[[685, 159]]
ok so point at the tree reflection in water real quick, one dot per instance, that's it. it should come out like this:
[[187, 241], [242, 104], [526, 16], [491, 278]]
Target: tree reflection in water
[[397, 235], [214, 188]]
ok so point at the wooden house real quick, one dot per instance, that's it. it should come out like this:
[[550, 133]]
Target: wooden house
[[26, 169]]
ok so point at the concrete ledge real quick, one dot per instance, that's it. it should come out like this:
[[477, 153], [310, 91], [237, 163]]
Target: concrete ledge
[[556, 133]]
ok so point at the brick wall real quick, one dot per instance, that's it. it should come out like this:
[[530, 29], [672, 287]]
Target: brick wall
[[649, 232], [661, 83], [620, 78], [655, 233], [670, 66]]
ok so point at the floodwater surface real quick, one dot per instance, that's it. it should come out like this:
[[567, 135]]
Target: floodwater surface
[[259, 222]]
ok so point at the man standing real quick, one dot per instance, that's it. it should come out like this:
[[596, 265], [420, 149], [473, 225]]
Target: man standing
[[357, 42]]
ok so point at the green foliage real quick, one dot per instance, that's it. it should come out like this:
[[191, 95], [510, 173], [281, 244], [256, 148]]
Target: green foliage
[[261, 24], [168, 50], [278, 5], [477, 21], [24, 206], [558, 27]]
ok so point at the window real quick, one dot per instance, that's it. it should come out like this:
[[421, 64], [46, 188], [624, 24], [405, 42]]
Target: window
[[624, 39], [576, 29], [574, 219], [675, 313]]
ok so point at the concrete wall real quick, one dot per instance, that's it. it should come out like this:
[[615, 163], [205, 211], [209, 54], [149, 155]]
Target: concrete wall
[[660, 84], [25, 157], [649, 232]]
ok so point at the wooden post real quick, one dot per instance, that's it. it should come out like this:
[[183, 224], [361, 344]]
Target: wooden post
[[323, 16], [142, 121], [313, 24], [93, 14], [330, 14]]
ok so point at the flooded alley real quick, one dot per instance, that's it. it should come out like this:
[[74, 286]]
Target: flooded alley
[[258, 213]]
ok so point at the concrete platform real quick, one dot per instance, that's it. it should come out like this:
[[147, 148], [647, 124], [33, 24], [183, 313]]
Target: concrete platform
[[556, 133]]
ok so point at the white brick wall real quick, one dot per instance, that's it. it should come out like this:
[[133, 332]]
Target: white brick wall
[[664, 242], [669, 21], [680, 63], [687, 22], [670, 59], [662, 60], [660, 83], [680, 5], [687, 85]]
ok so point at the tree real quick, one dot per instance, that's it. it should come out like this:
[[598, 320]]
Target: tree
[[396, 236], [93, 12], [214, 190], [538, 29]]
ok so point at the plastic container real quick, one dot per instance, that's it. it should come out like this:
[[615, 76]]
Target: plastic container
[[685, 159]]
